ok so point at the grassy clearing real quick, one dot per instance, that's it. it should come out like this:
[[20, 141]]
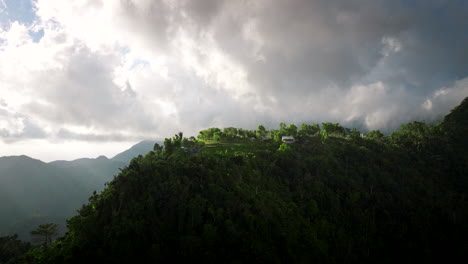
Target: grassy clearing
[[234, 146]]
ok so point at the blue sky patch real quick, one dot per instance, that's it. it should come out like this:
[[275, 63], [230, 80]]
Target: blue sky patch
[[36, 35], [139, 63], [17, 10]]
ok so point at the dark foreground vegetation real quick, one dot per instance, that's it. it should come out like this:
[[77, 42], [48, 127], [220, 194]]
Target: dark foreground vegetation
[[242, 196]]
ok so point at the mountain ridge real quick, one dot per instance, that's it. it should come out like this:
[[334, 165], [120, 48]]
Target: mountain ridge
[[34, 189], [141, 147]]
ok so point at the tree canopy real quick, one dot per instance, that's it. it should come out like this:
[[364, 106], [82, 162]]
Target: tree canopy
[[339, 199]]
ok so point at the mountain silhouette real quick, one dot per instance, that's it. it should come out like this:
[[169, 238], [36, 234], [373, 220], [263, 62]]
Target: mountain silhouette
[[34, 192]]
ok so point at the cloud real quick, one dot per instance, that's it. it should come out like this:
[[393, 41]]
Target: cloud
[[66, 134], [82, 92], [122, 70], [14, 126], [443, 100]]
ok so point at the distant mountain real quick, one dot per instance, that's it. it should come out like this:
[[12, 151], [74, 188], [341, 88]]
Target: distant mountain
[[31, 188], [91, 172], [139, 149], [32, 191]]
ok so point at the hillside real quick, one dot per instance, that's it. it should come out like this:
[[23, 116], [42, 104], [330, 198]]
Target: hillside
[[242, 196], [32, 188], [142, 147], [33, 192]]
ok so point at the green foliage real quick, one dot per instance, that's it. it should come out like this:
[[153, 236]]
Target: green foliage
[[261, 132], [284, 148], [208, 133], [217, 136], [157, 148], [282, 126], [227, 134], [308, 130], [347, 201], [334, 129], [291, 130], [230, 132], [412, 136], [323, 135], [374, 134], [355, 134]]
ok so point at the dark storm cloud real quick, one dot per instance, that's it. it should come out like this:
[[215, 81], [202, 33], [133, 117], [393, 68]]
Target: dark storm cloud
[[311, 47], [310, 44], [315, 60]]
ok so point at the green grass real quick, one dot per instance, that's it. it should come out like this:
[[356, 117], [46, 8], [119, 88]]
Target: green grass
[[234, 146]]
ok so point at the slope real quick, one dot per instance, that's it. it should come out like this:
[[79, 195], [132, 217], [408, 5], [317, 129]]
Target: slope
[[140, 148], [325, 200]]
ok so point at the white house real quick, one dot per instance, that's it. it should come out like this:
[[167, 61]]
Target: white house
[[288, 139]]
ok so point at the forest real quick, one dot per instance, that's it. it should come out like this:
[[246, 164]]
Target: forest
[[234, 195]]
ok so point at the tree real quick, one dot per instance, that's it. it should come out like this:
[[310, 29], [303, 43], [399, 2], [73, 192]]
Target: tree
[[374, 134], [45, 234], [261, 132], [217, 135], [177, 139], [354, 201], [334, 129], [355, 134], [168, 146], [230, 132], [291, 130], [308, 130], [284, 147], [208, 134], [412, 136], [157, 148], [284, 130], [282, 126]]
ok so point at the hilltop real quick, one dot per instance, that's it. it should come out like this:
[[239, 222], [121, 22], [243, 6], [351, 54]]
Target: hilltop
[[237, 196]]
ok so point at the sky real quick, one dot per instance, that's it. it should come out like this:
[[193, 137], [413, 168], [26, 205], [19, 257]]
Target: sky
[[83, 78]]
